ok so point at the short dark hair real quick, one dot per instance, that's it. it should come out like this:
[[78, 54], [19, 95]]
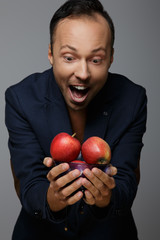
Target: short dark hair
[[77, 8]]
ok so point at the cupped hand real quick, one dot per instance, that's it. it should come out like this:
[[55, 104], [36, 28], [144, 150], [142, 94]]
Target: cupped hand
[[62, 186], [99, 186]]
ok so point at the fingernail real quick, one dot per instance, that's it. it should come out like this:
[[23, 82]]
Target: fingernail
[[76, 173], [48, 160], [109, 171], [96, 171], [88, 172], [79, 194], [65, 166]]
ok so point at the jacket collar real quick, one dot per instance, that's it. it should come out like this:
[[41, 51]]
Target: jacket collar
[[53, 92]]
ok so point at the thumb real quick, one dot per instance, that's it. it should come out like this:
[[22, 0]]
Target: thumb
[[48, 162], [111, 171]]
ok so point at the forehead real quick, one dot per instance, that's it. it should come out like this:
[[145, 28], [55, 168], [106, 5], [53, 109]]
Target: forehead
[[83, 28]]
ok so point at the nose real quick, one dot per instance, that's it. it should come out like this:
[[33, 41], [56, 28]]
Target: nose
[[82, 72]]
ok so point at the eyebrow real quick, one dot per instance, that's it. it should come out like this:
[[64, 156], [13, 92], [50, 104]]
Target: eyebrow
[[99, 49], [75, 50], [70, 47]]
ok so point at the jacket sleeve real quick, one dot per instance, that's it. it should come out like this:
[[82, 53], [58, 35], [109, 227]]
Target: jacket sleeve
[[27, 159], [126, 155]]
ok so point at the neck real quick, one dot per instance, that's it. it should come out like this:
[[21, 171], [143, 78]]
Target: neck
[[78, 122]]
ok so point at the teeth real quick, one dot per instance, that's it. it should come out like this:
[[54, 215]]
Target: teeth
[[80, 87]]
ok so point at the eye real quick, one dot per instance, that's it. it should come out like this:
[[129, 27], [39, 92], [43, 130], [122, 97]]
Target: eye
[[96, 60], [68, 58]]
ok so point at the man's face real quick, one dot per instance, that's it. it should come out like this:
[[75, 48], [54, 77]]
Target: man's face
[[81, 58]]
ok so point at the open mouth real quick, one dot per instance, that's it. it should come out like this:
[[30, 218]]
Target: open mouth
[[78, 93]]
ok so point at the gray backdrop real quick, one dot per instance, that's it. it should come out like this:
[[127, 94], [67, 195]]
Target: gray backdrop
[[24, 38]]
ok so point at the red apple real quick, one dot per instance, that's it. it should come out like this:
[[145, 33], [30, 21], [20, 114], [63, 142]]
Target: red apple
[[64, 147], [78, 162], [95, 150]]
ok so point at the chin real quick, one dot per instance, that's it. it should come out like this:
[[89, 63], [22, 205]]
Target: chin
[[77, 107]]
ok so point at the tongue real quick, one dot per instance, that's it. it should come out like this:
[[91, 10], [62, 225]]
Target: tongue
[[78, 95]]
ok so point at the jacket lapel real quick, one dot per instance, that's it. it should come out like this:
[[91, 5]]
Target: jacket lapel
[[97, 123], [99, 114], [56, 114]]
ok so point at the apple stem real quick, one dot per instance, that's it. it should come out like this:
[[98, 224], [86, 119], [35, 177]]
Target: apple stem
[[74, 134]]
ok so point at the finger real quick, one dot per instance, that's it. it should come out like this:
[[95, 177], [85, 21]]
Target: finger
[[111, 171], [105, 178], [56, 171], [91, 188], [48, 162], [89, 199], [93, 179], [75, 198], [67, 178], [69, 190]]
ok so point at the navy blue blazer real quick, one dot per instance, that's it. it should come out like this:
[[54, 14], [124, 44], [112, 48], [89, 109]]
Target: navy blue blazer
[[35, 113]]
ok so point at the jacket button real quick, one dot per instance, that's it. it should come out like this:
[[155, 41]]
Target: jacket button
[[38, 214], [105, 113], [81, 210]]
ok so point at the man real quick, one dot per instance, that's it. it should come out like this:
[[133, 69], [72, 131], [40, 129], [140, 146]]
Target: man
[[78, 94]]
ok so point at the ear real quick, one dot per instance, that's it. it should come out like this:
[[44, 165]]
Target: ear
[[50, 55]]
